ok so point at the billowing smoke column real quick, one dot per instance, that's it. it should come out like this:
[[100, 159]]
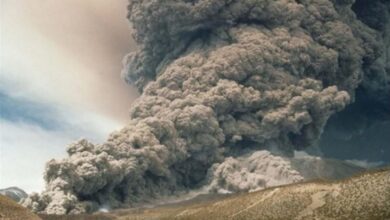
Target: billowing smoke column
[[361, 130], [376, 83], [222, 81]]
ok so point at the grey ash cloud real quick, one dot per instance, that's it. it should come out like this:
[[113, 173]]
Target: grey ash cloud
[[221, 82]]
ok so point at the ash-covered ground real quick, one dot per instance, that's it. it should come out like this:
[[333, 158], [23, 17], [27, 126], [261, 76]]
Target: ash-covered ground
[[229, 90]]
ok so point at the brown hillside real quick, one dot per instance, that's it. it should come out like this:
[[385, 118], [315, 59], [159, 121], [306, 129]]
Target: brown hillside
[[10, 210]]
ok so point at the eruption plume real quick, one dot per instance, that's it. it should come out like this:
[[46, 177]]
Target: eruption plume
[[223, 83]]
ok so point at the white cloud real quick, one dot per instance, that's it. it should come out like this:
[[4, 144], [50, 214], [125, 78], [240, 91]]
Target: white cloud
[[68, 52], [66, 57], [25, 148]]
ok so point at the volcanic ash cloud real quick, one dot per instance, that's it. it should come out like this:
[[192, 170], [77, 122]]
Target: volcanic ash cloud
[[221, 82]]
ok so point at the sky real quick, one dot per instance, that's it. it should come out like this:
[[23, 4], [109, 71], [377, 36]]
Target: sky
[[60, 64]]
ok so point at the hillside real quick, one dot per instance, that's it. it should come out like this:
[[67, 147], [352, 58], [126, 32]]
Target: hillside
[[10, 210], [366, 196], [363, 197]]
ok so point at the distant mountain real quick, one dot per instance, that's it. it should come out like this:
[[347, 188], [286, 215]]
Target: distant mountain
[[328, 169], [14, 193]]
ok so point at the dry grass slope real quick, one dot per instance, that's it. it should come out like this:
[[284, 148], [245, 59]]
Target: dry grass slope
[[366, 196], [362, 197], [97, 216], [10, 210]]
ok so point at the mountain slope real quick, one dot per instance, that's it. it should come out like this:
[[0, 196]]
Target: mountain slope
[[363, 197], [10, 210], [14, 193]]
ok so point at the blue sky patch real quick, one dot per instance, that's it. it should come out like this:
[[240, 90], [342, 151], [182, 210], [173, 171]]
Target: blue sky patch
[[16, 109]]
